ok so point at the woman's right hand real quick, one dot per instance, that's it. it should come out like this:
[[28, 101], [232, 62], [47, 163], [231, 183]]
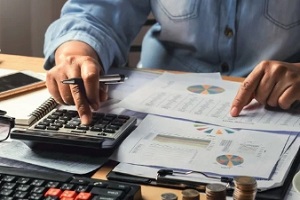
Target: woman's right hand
[[76, 59]]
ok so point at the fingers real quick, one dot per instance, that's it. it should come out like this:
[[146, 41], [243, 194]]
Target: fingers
[[245, 93], [90, 77], [61, 93], [82, 104], [78, 92], [103, 92], [290, 95], [84, 97], [271, 83]]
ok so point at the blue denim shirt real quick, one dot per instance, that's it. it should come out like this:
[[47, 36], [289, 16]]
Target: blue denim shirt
[[227, 36]]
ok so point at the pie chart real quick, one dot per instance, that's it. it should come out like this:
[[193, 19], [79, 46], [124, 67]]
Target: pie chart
[[230, 160], [205, 89]]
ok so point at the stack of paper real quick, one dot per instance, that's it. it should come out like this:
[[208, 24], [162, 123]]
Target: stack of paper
[[195, 132]]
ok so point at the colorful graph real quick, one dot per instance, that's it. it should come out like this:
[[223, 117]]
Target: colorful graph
[[205, 89], [230, 160], [213, 130]]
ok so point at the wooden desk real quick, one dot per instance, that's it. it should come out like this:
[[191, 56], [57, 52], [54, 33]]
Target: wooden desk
[[21, 63], [36, 64]]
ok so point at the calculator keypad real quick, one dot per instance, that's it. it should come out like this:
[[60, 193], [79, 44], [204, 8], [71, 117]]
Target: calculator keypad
[[68, 122]]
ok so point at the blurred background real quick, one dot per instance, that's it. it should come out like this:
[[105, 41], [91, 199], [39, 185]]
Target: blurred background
[[23, 24]]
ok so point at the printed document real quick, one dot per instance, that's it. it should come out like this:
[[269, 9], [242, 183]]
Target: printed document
[[192, 97], [276, 180], [173, 143]]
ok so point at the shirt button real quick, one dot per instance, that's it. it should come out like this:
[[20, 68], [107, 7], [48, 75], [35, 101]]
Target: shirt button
[[224, 67], [228, 32]]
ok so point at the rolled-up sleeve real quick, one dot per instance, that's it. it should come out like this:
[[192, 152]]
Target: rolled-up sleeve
[[108, 26]]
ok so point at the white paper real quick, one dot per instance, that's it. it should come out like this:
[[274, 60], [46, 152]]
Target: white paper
[[138, 78], [172, 143], [276, 180], [206, 100]]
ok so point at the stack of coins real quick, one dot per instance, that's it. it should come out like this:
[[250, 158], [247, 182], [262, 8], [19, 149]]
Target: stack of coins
[[169, 196], [215, 191], [190, 194], [245, 188]]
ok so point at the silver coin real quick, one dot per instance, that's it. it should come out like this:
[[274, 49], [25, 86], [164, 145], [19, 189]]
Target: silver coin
[[169, 196]]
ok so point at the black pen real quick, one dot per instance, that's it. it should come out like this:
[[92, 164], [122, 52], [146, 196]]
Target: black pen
[[163, 179], [107, 79]]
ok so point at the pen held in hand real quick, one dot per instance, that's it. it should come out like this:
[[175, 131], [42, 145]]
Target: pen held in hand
[[107, 79]]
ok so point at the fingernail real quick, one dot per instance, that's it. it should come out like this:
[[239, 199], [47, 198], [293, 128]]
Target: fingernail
[[95, 106], [234, 111], [85, 119]]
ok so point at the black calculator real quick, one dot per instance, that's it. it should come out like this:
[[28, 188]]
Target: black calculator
[[62, 129]]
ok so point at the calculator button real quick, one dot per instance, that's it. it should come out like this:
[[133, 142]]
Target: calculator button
[[107, 130], [114, 127], [49, 120], [111, 115], [74, 122], [58, 124], [78, 131], [40, 126], [99, 125], [9, 186], [53, 128], [108, 118], [66, 118], [70, 126], [83, 127], [123, 117], [53, 117], [117, 123], [45, 123], [96, 129]]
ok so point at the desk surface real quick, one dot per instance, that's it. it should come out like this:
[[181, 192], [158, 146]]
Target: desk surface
[[36, 64]]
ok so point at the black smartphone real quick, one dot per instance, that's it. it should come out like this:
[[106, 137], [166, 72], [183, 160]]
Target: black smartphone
[[21, 81]]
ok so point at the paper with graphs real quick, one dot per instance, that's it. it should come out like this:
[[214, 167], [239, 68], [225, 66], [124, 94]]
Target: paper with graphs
[[192, 97], [173, 143]]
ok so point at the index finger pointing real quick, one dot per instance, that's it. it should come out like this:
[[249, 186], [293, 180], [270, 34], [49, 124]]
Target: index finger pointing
[[244, 96], [82, 105]]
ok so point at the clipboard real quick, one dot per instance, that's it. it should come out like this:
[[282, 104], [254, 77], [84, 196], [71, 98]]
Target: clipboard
[[271, 194]]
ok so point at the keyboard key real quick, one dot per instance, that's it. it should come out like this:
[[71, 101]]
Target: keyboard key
[[107, 192], [83, 196]]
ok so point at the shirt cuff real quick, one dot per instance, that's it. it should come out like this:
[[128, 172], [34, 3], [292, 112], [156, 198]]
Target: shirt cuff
[[100, 47]]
